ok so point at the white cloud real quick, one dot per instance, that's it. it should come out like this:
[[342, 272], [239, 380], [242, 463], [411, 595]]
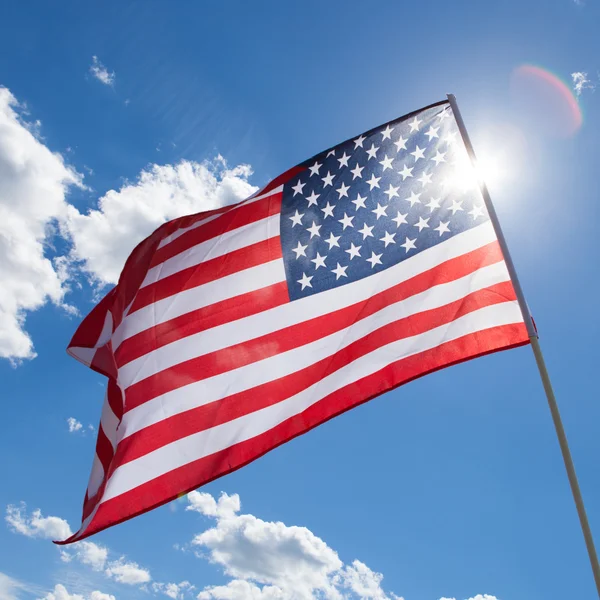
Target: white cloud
[[61, 593], [177, 591], [11, 589], [104, 237], [87, 553], [239, 589], [36, 525], [127, 572], [74, 425], [362, 581], [101, 73], [290, 562], [581, 82], [33, 184], [478, 597]]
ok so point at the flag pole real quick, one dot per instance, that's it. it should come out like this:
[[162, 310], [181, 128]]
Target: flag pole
[[537, 351]]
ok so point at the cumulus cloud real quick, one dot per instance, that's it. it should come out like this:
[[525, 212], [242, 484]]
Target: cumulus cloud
[[239, 589], [74, 425], [581, 82], [33, 185], [101, 73], [36, 525], [87, 553], [127, 572], [270, 560], [104, 237], [177, 591], [61, 593], [478, 597]]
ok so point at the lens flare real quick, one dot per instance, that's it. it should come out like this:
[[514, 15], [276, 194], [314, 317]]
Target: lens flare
[[544, 102]]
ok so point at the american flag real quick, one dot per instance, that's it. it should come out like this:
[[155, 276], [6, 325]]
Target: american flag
[[232, 331]]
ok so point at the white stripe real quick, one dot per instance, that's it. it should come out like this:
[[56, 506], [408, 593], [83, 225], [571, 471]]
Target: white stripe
[[96, 477], [179, 232], [186, 301], [205, 443], [299, 311], [110, 423], [279, 365], [225, 243]]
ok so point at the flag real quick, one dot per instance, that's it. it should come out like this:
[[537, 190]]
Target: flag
[[233, 331]]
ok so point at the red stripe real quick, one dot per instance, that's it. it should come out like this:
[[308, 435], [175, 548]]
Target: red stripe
[[201, 319], [173, 484], [299, 334], [90, 328], [233, 219], [243, 403], [281, 180], [189, 220], [216, 268]]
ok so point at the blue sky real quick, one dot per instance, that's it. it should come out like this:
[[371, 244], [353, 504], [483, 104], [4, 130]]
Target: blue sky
[[449, 487]]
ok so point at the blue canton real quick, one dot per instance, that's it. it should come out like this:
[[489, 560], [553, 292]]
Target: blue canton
[[376, 200]]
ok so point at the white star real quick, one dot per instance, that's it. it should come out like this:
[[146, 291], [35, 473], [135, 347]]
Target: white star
[[319, 261], [422, 224], [401, 144], [386, 162], [456, 206], [372, 151], [388, 238], [314, 170], [444, 115], [401, 218], [353, 250], [387, 133], [476, 212], [375, 259], [374, 181], [328, 179], [451, 137], [300, 250], [414, 199], [392, 192], [343, 160], [339, 271], [305, 281], [366, 231], [380, 211], [433, 204], [414, 125], [298, 187], [439, 157], [312, 199], [418, 153], [443, 228], [328, 210], [432, 133], [314, 230], [346, 221], [406, 172], [356, 172], [359, 141], [409, 244], [360, 201], [333, 240], [343, 190], [425, 178], [330, 153], [296, 219]]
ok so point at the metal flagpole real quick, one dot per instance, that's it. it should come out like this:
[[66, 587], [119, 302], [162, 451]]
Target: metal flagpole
[[537, 351]]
